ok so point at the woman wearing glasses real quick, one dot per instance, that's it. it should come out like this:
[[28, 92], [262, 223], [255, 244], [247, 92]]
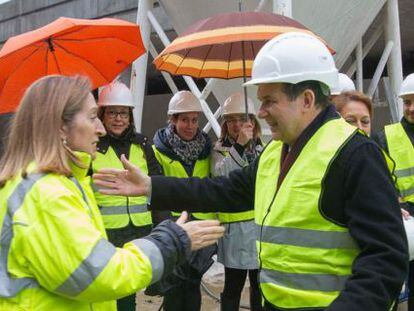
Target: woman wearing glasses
[[124, 218], [238, 145]]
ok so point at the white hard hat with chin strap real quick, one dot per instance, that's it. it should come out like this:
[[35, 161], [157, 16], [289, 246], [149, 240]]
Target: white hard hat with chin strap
[[184, 101], [407, 87], [234, 104], [294, 57], [116, 94], [345, 84]]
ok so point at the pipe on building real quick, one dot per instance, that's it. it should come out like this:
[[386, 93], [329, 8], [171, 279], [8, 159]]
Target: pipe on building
[[380, 68], [360, 72], [139, 66], [394, 66]]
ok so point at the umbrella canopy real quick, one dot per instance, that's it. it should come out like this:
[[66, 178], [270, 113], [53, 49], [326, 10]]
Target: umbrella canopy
[[99, 49], [215, 47]]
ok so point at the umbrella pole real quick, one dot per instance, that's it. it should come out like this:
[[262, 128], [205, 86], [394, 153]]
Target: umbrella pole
[[251, 144], [244, 81]]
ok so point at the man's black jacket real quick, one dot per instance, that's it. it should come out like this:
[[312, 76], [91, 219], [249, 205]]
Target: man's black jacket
[[358, 193]]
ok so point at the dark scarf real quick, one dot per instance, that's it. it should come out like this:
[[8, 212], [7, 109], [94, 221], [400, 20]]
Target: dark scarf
[[187, 151]]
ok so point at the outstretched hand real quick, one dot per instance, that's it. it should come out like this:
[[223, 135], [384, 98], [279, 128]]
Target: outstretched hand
[[202, 233], [130, 181]]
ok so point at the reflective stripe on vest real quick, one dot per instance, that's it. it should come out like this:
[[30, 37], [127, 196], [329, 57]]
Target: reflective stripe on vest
[[10, 287], [175, 169], [305, 259], [155, 257], [234, 217], [117, 211], [88, 270], [401, 150]]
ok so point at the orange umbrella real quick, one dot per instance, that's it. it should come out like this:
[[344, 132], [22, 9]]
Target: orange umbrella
[[220, 46], [99, 49]]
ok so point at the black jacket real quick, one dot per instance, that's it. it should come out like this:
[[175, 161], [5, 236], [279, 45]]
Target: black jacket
[[358, 193]]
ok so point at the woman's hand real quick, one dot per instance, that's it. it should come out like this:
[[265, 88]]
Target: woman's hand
[[245, 134], [128, 182], [202, 233]]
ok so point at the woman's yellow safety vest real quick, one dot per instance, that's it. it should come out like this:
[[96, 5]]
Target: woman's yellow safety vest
[[117, 211], [401, 150], [234, 217], [305, 258], [174, 168]]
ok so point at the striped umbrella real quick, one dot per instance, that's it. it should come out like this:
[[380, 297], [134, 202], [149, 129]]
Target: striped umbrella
[[222, 45]]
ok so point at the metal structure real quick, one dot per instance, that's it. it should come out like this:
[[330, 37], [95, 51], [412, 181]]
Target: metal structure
[[391, 57], [147, 20]]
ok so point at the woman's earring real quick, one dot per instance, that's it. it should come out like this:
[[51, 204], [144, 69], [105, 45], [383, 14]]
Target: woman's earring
[[65, 142]]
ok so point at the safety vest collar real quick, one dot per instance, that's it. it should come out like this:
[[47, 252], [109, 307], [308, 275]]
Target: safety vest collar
[[85, 160]]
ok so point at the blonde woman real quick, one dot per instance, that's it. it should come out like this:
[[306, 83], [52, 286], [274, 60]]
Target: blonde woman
[[54, 252]]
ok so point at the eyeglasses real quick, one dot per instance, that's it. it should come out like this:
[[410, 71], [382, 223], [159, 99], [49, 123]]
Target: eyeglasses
[[113, 114], [233, 120]]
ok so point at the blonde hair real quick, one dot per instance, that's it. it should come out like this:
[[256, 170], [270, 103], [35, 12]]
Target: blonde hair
[[34, 134]]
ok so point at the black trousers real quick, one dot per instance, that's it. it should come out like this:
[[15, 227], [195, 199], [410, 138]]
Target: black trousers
[[234, 280], [119, 237], [186, 297]]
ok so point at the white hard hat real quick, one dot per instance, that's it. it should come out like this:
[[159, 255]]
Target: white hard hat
[[294, 57], [345, 84], [234, 104], [184, 101], [116, 94], [407, 87]]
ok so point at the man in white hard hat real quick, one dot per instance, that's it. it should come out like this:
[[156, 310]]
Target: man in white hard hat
[[345, 84], [124, 218], [398, 141], [327, 238]]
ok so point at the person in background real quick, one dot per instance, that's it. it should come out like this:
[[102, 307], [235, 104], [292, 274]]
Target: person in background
[[183, 150], [125, 218], [356, 108], [239, 144], [330, 234], [398, 141], [345, 84], [54, 251]]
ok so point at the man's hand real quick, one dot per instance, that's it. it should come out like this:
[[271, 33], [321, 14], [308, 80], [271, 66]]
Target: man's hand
[[246, 133], [128, 182], [202, 233]]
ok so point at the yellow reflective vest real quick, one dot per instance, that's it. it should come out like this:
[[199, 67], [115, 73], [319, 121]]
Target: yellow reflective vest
[[174, 168], [118, 211], [232, 217], [305, 258], [401, 150], [54, 254]]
